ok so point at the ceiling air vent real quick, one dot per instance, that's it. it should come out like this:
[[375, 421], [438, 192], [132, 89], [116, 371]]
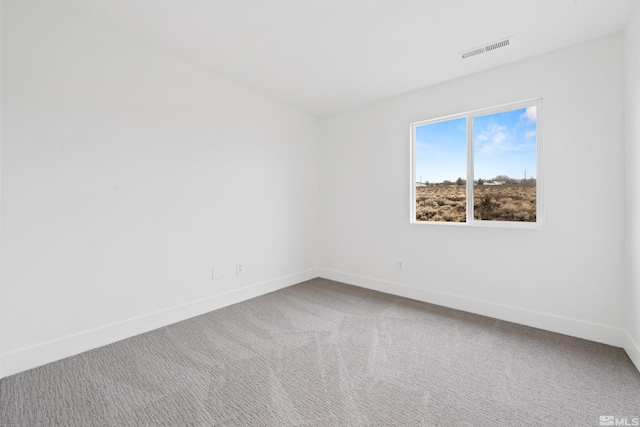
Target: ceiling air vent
[[487, 48]]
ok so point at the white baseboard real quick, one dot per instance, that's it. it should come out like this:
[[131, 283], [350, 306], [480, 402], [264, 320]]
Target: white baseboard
[[50, 351], [40, 354], [633, 350], [550, 322]]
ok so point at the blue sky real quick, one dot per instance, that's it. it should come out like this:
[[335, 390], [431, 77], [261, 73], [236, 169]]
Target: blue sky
[[504, 144]]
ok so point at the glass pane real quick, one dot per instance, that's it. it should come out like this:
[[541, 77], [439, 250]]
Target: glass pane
[[504, 162], [441, 170]]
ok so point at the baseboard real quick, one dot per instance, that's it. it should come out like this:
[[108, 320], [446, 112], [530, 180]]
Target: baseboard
[[550, 322], [633, 350], [50, 351]]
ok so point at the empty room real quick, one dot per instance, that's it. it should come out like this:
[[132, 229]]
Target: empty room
[[319, 213]]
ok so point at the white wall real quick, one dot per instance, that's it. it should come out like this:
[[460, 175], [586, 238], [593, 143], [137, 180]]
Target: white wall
[[566, 277], [127, 174], [632, 155]]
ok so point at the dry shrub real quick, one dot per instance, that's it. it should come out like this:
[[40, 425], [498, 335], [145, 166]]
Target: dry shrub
[[437, 204], [495, 203], [505, 203]]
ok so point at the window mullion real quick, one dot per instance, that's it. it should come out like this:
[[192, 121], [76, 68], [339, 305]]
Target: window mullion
[[469, 168]]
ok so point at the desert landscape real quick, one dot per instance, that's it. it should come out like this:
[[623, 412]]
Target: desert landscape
[[440, 203]]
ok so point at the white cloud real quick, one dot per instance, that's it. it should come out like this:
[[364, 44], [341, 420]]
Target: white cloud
[[529, 114], [494, 139], [530, 134]]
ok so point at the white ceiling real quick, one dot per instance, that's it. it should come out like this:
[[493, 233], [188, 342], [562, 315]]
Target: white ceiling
[[324, 56]]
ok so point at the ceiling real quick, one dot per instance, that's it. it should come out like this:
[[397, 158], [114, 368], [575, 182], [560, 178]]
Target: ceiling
[[325, 56]]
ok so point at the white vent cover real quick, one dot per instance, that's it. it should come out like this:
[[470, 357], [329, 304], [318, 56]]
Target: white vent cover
[[487, 48]]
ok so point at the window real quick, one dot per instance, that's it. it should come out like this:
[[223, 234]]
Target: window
[[480, 168]]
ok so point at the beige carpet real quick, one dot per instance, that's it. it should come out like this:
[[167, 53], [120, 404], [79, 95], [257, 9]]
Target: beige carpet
[[323, 353]]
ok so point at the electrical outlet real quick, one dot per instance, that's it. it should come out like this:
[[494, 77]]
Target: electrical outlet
[[215, 273], [239, 268], [399, 265]]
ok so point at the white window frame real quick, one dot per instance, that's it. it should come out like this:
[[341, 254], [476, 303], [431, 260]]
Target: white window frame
[[470, 115]]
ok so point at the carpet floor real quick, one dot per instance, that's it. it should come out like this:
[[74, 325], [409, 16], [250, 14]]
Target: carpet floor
[[323, 353]]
